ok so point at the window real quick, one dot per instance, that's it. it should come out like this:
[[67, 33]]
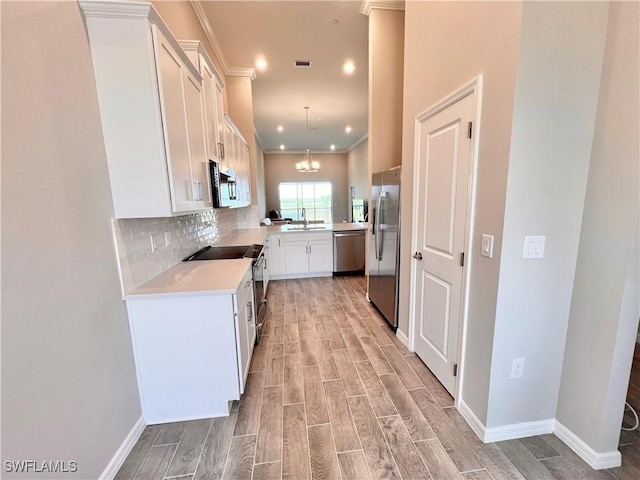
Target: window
[[314, 197]]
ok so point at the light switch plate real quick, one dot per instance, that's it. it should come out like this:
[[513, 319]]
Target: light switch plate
[[533, 246], [487, 246]]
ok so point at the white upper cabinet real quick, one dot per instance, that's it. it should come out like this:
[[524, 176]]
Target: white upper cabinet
[[213, 102], [151, 108], [237, 159]]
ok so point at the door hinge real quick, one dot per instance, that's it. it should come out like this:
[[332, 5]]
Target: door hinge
[[455, 369], [462, 259], [470, 129]]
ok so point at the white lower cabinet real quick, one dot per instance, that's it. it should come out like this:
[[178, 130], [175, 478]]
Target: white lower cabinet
[[275, 255], [192, 352], [307, 254]]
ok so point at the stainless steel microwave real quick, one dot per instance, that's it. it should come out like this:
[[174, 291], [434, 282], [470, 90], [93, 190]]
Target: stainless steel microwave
[[223, 186]]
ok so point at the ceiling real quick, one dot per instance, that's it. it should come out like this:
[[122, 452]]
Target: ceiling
[[285, 31]]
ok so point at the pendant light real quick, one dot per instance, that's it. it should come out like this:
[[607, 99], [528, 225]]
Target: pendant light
[[308, 164]]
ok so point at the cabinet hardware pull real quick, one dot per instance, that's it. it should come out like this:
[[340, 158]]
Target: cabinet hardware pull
[[250, 312]]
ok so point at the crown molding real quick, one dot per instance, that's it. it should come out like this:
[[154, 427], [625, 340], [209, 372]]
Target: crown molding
[[242, 72], [217, 49], [107, 9], [258, 139], [358, 142], [208, 31], [197, 46], [368, 5]]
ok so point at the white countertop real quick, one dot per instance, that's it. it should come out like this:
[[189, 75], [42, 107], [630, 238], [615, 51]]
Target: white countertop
[[223, 277], [317, 227], [205, 277]]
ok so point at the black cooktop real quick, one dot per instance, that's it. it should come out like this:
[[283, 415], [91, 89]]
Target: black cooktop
[[225, 253]]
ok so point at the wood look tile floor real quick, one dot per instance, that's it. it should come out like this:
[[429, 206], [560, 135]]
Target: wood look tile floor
[[333, 394]]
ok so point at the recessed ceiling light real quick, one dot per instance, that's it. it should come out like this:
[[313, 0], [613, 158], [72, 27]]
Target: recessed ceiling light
[[280, 128], [332, 147], [261, 63], [281, 147], [347, 129], [348, 67]]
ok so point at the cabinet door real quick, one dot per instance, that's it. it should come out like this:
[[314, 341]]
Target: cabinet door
[[172, 100], [243, 343], [219, 99], [197, 142], [320, 256], [296, 258], [275, 257], [210, 113]]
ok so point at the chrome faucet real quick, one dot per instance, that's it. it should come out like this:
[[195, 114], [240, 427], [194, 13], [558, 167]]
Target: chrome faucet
[[304, 216]]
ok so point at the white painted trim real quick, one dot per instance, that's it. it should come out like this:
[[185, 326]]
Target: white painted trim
[[208, 31], [358, 142], [137, 10], [518, 430], [121, 454], [242, 72], [258, 140], [597, 460], [368, 5], [473, 421], [197, 46], [473, 87], [403, 338]]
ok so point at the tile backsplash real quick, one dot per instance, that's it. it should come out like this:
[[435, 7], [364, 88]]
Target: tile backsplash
[[175, 239]]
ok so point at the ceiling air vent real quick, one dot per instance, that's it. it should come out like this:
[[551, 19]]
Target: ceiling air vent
[[302, 64]]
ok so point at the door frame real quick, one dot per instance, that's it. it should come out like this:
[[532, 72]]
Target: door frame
[[474, 87]]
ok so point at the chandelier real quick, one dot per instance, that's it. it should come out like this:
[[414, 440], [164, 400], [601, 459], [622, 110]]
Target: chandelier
[[308, 164]]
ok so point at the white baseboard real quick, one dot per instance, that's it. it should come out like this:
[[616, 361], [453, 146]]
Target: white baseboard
[[519, 430], [595, 459], [473, 421], [124, 450], [403, 338]]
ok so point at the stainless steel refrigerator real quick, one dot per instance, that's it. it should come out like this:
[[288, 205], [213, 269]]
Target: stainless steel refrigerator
[[384, 243]]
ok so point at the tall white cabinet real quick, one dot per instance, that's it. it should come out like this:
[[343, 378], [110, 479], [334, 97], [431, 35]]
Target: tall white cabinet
[[213, 99], [151, 108]]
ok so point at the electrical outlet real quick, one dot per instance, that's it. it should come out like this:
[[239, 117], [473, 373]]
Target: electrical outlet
[[517, 368]]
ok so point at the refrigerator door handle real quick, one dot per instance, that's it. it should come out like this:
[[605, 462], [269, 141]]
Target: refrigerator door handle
[[376, 226], [379, 243]]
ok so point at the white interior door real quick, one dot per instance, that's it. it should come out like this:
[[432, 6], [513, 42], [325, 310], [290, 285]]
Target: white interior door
[[442, 204]]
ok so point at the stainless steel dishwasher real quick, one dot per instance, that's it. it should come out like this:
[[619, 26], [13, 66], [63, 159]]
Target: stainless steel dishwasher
[[348, 251]]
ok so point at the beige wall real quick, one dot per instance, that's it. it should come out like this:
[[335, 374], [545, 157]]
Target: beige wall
[[480, 38], [358, 169], [558, 79], [386, 50], [261, 195], [184, 24], [601, 333], [69, 388], [333, 168]]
